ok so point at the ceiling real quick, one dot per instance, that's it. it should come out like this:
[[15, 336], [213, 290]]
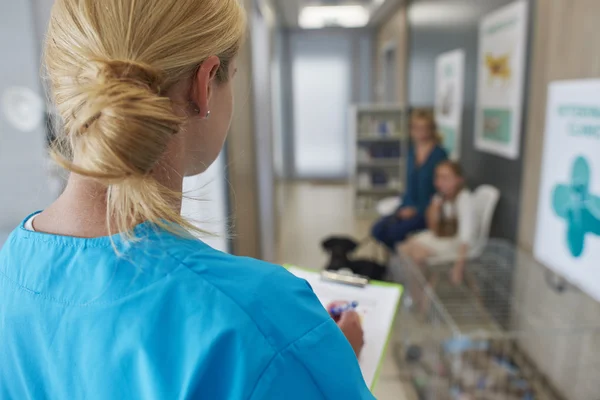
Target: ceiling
[[290, 9]]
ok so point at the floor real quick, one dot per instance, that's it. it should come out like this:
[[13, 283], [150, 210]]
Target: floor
[[310, 212]]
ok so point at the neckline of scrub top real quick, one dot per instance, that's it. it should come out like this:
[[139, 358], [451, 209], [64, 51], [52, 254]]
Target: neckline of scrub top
[[144, 229], [89, 271]]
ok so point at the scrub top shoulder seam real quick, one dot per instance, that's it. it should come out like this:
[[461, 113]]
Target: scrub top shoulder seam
[[282, 353]]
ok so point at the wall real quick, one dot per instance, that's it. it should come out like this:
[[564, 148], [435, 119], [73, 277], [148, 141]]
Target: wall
[[277, 85], [392, 32], [437, 26], [570, 52], [41, 14], [242, 168], [24, 184], [263, 27], [249, 146]]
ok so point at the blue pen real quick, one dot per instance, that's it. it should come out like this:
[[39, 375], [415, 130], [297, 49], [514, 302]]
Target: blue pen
[[338, 311]]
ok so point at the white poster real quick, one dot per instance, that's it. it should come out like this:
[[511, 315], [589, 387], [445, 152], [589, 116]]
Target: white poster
[[502, 52], [568, 224], [450, 90]]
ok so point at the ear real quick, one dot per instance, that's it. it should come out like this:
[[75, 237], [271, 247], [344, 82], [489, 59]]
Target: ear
[[350, 245], [202, 86], [328, 244]]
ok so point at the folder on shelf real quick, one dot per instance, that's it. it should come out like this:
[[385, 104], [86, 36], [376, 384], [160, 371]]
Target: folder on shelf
[[377, 306]]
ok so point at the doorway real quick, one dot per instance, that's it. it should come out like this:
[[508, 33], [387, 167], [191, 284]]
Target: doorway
[[322, 88]]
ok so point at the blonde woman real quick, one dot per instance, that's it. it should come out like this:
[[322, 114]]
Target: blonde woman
[[105, 294], [424, 154]]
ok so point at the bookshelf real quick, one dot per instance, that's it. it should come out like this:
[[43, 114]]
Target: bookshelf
[[380, 149]]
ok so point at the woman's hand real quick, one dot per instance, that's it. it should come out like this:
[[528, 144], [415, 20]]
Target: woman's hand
[[406, 213], [350, 325]]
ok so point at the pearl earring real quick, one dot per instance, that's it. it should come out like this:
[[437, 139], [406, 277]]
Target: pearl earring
[[207, 115]]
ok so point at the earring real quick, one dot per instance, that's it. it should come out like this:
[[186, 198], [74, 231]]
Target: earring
[[207, 115]]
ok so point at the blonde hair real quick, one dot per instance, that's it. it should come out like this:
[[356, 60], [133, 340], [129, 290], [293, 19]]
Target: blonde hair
[[110, 64], [429, 117]]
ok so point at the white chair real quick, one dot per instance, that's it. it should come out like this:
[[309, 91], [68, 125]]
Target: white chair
[[485, 200], [388, 205]]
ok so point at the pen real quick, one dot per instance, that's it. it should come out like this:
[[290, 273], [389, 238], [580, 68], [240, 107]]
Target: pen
[[339, 310]]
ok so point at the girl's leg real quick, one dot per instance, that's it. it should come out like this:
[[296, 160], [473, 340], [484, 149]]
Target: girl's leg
[[417, 256], [412, 283], [420, 255]]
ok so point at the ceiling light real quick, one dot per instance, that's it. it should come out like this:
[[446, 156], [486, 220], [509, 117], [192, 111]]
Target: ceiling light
[[315, 17], [434, 14]]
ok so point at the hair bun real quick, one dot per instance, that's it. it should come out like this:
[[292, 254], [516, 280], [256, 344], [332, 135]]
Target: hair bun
[[122, 123], [132, 71]]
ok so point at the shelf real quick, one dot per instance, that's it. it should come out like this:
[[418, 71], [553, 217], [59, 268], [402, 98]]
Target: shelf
[[377, 130], [380, 163], [380, 108], [377, 139], [379, 190]]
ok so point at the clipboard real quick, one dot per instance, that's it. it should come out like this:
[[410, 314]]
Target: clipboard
[[377, 305]]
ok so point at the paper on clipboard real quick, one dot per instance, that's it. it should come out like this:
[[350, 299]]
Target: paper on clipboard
[[377, 308]]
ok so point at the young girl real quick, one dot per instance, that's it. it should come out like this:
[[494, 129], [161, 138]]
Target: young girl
[[450, 221], [424, 154], [150, 312]]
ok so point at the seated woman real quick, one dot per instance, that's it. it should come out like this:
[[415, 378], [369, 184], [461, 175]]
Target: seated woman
[[424, 155], [451, 223]]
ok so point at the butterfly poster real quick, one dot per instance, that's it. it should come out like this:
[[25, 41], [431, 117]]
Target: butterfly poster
[[501, 78], [568, 224], [450, 88]]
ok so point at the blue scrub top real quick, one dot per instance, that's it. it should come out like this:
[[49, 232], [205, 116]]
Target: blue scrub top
[[168, 318]]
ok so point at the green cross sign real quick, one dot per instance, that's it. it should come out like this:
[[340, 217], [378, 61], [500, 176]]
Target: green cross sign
[[581, 209]]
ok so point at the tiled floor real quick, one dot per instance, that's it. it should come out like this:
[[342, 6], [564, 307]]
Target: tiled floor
[[310, 213]]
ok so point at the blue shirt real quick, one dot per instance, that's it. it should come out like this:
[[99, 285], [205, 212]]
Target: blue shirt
[[168, 318], [420, 179]]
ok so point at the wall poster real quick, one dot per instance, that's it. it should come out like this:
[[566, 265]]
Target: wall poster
[[500, 88], [450, 90], [568, 223]]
